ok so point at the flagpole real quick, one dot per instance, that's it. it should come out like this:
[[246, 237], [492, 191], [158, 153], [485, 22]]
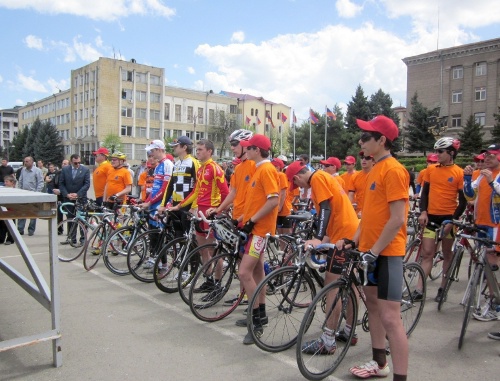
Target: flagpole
[[326, 124], [294, 127], [310, 136], [281, 136]]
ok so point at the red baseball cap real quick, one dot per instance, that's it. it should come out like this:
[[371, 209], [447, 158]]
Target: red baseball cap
[[292, 170], [236, 161], [258, 140], [350, 160], [479, 157], [169, 157], [278, 163], [331, 161], [432, 158], [381, 124], [102, 150]]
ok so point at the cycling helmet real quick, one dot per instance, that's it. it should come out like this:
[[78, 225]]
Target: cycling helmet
[[240, 135], [118, 155], [225, 231], [283, 158], [447, 143]]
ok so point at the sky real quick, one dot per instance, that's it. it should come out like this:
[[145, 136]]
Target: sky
[[302, 53]]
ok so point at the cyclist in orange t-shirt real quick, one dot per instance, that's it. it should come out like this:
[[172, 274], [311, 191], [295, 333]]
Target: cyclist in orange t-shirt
[[146, 178], [432, 159], [283, 224], [350, 166], [119, 182], [100, 175], [358, 183]]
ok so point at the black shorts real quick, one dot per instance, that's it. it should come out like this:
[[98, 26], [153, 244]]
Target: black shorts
[[335, 259], [283, 222], [389, 275]]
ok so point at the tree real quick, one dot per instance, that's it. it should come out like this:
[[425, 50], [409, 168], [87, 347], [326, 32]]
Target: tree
[[495, 132], [471, 137], [17, 146], [419, 137], [48, 144], [357, 108], [381, 104], [221, 127], [113, 143], [29, 146]]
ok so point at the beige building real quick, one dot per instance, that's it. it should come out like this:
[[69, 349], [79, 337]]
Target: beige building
[[128, 99], [461, 81], [8, 128]]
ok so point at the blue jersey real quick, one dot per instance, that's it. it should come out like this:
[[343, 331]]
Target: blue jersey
[[161, 178]]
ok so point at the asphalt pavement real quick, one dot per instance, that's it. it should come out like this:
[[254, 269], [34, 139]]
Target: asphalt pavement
[[117, 328]]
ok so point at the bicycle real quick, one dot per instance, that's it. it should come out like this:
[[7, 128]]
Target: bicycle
[[344, 309]]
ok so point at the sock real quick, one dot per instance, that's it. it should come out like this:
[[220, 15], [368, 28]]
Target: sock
[[256, 316], [379, 356], [262, 310], [399, 377], [347, 329]]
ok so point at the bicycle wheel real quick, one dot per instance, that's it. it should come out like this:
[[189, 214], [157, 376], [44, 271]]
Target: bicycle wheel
[[451, 275], [116, 248], [412, 251], [141, 255], [94, 247], [471, 302], [189, 266], [289, 291], [207, 302], [168, 263], [437, 266], [412, 304], [315, 360], [71, 244]]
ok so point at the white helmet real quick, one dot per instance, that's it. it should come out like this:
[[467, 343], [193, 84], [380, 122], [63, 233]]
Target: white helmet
[[447, 143], [240, 135], [283, 157]]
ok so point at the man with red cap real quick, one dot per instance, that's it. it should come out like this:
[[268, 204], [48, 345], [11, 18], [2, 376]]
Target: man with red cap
[[283, 224], [259, 218], [350, 166], [432, 159], [381, 236], [332, 165], [479, 164], [100, 173], [358, 182]]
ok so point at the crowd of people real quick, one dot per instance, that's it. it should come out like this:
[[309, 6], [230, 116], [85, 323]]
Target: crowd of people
[[366, 209]]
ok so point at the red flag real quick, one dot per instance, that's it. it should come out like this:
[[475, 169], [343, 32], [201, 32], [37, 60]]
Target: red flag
[[314, 120], [258, 120], [247, 120], [294, 118], [268, 115], [330, 114], [283, 118]]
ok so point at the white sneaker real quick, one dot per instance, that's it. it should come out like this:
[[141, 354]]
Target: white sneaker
[[370, 369], [149, 264], [490, 315]]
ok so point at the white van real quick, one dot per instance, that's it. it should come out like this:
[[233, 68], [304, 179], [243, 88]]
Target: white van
[[15, 164]]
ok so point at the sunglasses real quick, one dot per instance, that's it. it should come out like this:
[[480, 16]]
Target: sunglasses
[[480, 161], [366, 158], [234, 143], [77, 162], [366, 136], [327, 165], [345, 163], [440, 150]]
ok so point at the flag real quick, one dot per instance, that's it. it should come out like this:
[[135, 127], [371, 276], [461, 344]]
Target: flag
[[258, 120], [330, 114], [247, 120], [313, 118], [294, 118], [283, 118], [268, 115]]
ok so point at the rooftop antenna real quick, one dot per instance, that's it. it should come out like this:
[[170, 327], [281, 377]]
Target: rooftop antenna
[[437, 42], [114, 57]]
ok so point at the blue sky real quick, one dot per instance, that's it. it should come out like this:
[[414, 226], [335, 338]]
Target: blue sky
[[303, 53]]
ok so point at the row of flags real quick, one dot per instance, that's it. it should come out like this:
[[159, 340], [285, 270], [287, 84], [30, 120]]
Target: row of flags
[[314, 119]]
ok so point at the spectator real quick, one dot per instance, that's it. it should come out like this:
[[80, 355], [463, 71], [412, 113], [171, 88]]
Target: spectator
[[5, 170], [5, 236], [142, 168], [31, 179], [44, 170], [57, 192], [49, 178]]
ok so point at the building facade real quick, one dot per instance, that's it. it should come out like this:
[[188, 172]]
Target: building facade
[[460, 81], [128, 99], [8, 128]]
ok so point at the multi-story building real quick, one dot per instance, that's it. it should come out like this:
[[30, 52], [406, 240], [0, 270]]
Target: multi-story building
[[8, 127], [460, 81], [402, 114], [127, 99]]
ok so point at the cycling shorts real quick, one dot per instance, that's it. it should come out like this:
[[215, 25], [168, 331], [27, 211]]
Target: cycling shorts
[[431, 231], [389, 275], [255, 246], [283, 222]]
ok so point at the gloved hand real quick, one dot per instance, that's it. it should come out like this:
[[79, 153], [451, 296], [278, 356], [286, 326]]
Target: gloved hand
[[112, 198], [248, 227], [371, 259]]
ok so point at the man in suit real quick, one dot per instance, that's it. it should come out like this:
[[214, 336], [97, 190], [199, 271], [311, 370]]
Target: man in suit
[[74, 182]]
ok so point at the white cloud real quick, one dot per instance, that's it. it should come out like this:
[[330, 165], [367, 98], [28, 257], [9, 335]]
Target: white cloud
[[347, 8], [56, 85], [94, 9], [1, 79], [85, 52], [238, 36], [33, 42], [31, 84], [191, 70]]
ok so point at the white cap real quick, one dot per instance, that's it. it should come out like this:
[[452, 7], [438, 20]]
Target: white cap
[[155, 144], [282, 157]]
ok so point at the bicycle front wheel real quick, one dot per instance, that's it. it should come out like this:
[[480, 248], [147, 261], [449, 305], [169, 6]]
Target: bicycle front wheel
[[116, 249], [94, 247], [71, 244], [289, 291], [412, 302], [471, 302], [142, 254], [451, 275], [437, 266], [317, 360], [412, 251]]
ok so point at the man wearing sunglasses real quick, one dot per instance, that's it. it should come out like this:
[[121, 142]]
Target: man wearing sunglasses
[[381, 236], [350, 167], [358, 182], [443, 185], [332, 165], [432, 159]]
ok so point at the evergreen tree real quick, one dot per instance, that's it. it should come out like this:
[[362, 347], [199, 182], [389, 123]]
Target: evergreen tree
[[29, 146], [471, 137], [48, 144], [17, 146], [357, 108], [419, 137], [495, 132], [381, 104]]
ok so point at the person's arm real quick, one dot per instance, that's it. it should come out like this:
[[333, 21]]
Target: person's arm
[[324, 213], [282, 198], [271, 203], [82, 192], [462, 204], [396, 220], [39, 181], [62, 184]]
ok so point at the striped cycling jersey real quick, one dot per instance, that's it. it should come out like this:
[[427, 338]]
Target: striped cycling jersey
[[183, 180]]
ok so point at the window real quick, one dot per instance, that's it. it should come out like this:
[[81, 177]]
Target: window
[[154, 114], [480, 93], [75, 82], [155, 98], [141, 96], [480, 118], [154, 79], [75, 116], [92, 94], [127, 94], [126, 131], [140, 77], [177, 113], [457, 72], [190, 114], [92, 76], [127, 75], [154, 133], [80, 80], [211, 117], [176, 133], [140, 151], [86, 111], [141, 132], [81, 97], [86, 78], [127, 112], [92, 111], [480, 68], [140, 113], [167, 111], [233, 109], [200, 115], [86, 96], [456, 120], [127, 150], [251, 112]]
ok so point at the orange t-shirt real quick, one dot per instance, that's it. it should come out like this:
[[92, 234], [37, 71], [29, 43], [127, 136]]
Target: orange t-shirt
[[347, 177], [444, 184], [358, 186], [343, 221], [100, 177], [263, 185], [387, 182], [483, 202], [118, 179], [476, 174], [287, 205], [240, 179]]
